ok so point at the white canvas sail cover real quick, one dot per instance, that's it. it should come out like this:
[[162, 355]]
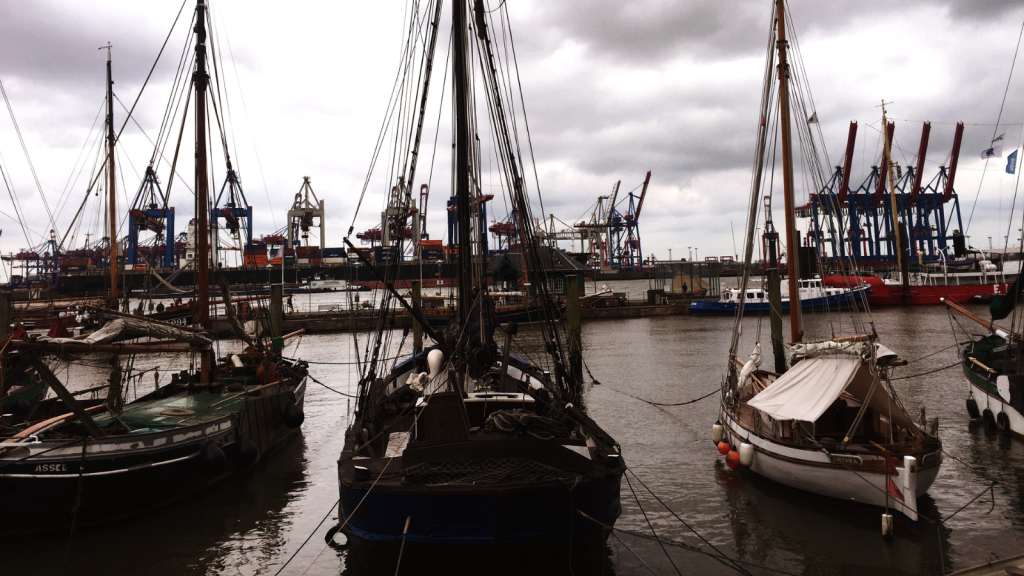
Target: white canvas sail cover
[[807, 389]]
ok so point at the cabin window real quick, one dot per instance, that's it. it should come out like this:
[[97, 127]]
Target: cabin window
[[750, 294], [556, 285]]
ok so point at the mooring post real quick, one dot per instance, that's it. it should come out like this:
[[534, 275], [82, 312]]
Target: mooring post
[[572, 297], [277, 309], [417, 329], [5, 315]]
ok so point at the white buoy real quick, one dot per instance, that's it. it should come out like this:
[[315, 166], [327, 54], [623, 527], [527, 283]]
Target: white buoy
[[887, 525], [717, 430], [434, 360], [746, 454], [236, 361]]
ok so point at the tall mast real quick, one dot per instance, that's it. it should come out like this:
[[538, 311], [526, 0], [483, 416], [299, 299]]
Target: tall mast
[[202, 180], [111, 185], [463, 142], [897, 235], [792, 245]]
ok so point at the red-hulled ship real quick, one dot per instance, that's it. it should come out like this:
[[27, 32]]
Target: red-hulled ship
[[976, 280]]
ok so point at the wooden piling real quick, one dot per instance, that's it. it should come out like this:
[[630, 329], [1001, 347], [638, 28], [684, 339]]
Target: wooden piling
[[417, 329], [277, 309], [5, 315], [572, 296]]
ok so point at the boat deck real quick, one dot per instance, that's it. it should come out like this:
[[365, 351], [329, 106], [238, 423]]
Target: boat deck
[[180, 409]]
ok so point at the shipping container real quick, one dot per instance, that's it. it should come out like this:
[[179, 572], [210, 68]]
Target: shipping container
[[334, 252], [303, 261], [257, 260], [432, 254], [334, 261]]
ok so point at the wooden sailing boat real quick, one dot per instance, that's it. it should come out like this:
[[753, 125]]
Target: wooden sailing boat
[[831, 424], [993, 365], [462, 447], [75, 461]]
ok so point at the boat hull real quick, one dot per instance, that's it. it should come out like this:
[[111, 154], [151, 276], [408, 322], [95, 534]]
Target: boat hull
[[883, 294], [986, 394], [107, 479], [846, 299], [478, 524], [814, 471]]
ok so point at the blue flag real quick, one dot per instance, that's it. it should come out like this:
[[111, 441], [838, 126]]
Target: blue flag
[[1011, 162]]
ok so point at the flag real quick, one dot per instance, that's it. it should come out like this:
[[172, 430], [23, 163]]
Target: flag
[[996, 151], [813, 119], [1011, 164], [894, 491]]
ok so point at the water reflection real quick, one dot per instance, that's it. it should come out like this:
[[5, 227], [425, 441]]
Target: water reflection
[[238, 525]]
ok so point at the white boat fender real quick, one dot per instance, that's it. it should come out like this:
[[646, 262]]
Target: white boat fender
[[292, 416], [434, 360], [717, 430], [746, 454], [236, 361], [887, 525], [212, 459]]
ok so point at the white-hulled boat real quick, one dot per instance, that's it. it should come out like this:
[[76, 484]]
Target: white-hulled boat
[[830, 422]]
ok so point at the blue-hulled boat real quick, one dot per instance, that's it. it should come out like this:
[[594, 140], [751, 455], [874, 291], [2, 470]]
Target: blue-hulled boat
[[465, 458], [813, 296]]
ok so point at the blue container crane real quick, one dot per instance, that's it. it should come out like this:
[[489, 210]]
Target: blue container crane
[[858, 223], [149, 211], [624, 231]]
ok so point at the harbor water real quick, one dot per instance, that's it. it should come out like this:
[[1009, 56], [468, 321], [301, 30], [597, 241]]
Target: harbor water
[[255, 523]]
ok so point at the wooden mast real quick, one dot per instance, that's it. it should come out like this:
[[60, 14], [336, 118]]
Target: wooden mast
[[112, 183], [792, 244], [202, 257], [463, 141], [897, 234]]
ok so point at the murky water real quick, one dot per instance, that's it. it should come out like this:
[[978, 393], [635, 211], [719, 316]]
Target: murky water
[[254, 523]]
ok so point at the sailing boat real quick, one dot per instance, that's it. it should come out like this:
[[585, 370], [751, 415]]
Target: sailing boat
[[463, 447], [77, 461], [994, 367], [831, 422]]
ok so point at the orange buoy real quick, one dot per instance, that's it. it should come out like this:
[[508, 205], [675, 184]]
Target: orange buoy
[[723, 447], [733, 459]]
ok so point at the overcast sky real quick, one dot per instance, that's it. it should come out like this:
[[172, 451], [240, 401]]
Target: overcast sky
[[612, 89]]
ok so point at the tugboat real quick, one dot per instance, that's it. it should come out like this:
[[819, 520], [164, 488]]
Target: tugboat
[[463, 452]]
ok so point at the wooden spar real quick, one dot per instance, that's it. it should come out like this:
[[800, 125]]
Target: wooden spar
[[81, 347], [293, 334], [111, 186], [463, 142], [986, 324], [58, 387], [202, 256], [41, 426], [897, 234], [854, 338], [792, 244]]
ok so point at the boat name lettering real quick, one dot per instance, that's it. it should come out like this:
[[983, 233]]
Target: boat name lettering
[[846, 460], [51, 468]]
